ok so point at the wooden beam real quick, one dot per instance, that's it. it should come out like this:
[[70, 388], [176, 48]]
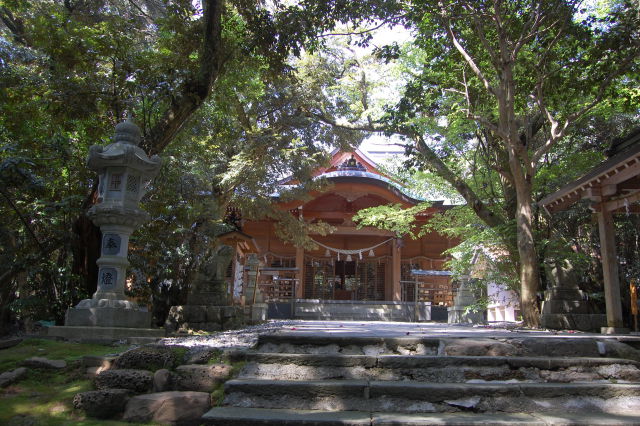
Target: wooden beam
[[624, 172], [315, 214], [608, 190], [593, 194], [630, 184], [300, 274], [610, 269], [620, 202], [351, 230], [396, 258]]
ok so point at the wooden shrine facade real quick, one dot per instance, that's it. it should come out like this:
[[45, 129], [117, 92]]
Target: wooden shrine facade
[[352, 264]]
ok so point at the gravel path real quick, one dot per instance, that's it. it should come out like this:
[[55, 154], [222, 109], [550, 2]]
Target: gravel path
[[248, 337], [243, 338]]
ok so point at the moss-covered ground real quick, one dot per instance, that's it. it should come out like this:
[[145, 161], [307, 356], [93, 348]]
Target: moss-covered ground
[[44, 397]]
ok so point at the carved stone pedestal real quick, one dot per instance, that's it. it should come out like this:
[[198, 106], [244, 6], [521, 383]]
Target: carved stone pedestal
[[564, 306], [456, 314], [207, 308]]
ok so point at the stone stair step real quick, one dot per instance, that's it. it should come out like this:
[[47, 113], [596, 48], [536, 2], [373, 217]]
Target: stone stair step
[[301, 341], [283, 343], [221, 416], [352, 317], [233, 416], [411, 396], [426, 361], [458, 369]]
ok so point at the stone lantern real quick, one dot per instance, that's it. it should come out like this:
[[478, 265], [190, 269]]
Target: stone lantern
[[125, 171]]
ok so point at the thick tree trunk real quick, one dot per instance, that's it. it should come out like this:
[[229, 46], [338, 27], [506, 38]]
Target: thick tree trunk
[[86, 251], [529, 271], [7, 293]]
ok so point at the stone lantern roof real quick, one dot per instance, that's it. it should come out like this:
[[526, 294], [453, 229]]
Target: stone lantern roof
[[124, 151]]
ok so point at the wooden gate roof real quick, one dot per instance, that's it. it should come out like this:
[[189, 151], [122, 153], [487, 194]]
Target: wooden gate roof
[[613, 184]]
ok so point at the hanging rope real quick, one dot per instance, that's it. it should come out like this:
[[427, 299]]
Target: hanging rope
[[349, 252]]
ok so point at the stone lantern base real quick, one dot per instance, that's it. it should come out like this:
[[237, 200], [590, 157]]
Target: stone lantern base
[[456, 314], [107, 313], [108, 317], [106, 334], [106, 320]]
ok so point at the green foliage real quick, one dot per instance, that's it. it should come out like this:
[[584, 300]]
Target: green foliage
[[216, 357], [392, 217], [217, 396], [69, 72]]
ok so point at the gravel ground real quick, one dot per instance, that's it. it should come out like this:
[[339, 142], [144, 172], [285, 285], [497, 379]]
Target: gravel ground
[[243, 338], [248, 337]]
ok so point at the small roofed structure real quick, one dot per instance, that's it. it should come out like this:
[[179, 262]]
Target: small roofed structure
[[611, 187]]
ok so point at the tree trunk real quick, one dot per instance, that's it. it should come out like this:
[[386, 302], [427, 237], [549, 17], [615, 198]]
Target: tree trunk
[[7, 294], [529, 272]]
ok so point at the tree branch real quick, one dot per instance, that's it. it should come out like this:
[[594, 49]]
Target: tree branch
[[24, 220], [355, 127], [441, 169], [468, 58], [15, 25], [558, 131], [197, 88]]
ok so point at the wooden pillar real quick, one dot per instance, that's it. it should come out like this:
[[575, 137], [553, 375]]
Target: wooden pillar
[[396, 293], [610, 268], [300, 273]]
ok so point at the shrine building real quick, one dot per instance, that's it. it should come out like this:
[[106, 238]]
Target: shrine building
[[358, 274]]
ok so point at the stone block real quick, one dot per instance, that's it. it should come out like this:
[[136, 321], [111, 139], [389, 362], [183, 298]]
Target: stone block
[[214, 298], [614, 330], [616, 349], [559, 348], [202, 356], [108, 317], [211, 326], [258, 313], [150, 357], [624, 372], [9, 343], [572, 321], [168, 407], [137, 381], [457, 315], [231, 311], [202, 378], [40, 362], [102, 404], [163, 380], [105, 334], [194, 313], [98, 361], [561, 293], [9, 377], [478, 347], [214, 314], [563, 306], [92, 372]]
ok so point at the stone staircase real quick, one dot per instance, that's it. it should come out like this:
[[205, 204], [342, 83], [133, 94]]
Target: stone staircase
[[359, 380]]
